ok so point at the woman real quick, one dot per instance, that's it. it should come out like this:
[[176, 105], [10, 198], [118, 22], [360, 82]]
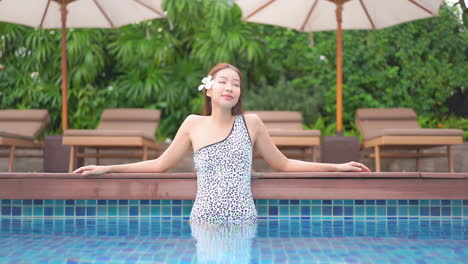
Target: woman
[[223, 140]]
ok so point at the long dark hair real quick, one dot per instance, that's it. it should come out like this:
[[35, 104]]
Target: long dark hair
[[237, 109]]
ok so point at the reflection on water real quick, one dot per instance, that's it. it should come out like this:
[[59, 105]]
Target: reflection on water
[[140, 240], [223, 243]]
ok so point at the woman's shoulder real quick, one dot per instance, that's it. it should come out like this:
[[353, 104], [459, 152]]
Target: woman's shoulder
[[252, 121], [191, 121], [252, 118]]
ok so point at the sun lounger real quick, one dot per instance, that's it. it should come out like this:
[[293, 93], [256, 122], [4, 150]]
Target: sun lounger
[[397, 128], [124, 127], [20, 129], [285, 128]]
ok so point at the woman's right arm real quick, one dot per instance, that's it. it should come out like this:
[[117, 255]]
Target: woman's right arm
[[173, 154]]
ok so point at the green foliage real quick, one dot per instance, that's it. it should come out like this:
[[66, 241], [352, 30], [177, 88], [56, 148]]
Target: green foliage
[[446, 122], [286, 95], [159, 64]]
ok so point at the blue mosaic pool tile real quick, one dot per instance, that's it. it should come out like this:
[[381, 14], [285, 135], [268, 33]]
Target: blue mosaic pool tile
[[294, 211], [445, 202], [155, 211], [27, 211], [273, 210], [48, 211], [381, 211], [316, 202], [435, 211], [38, 211], [112, 211], [166, 211], [391, 211], [6, 210], [69, 211], [273, 202], [80, 211], [337, 210], [403, 211], [369, 209], [16, 211], [283, 211], [123, 210], [91, 211], [326, 210], [358, 202], [424, 211], [186, 210], [294, 202], [413, 210], [402, 202]]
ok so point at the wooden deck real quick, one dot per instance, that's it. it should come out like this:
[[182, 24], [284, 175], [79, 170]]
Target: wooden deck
[[275, 185]]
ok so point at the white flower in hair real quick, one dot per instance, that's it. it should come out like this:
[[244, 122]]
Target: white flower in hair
[[207, 83]]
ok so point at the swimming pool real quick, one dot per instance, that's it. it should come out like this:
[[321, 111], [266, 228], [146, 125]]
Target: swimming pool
[[149, 240], [288, 231]]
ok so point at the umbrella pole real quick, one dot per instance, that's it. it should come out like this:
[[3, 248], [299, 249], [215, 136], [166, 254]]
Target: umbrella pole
[[339, 70], [63, 9]]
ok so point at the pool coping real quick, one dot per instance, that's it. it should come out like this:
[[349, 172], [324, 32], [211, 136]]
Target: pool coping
[[271, 185]]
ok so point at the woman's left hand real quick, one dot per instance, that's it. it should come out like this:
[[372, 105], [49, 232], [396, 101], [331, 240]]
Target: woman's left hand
[[352, 166]]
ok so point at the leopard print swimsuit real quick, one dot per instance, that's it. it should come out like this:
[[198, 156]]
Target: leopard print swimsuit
[[223, 179]]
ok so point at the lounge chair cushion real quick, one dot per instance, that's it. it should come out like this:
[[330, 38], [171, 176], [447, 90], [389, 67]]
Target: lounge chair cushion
[[280, 120], [375, 122], [385, 114], [421, 132], [293, 133], [11, 135], [107, 133], [25, 124], [130, 119]]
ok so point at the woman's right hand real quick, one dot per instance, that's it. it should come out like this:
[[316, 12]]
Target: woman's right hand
[[93, 170]]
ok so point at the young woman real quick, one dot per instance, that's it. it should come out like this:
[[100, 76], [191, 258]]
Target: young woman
[[223, 140]]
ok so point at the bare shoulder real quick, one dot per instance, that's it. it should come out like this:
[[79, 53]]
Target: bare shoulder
[[253, 123], [191, 121], [252, 120]]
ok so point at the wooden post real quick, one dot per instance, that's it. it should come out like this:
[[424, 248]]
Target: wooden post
[[63, 9], [97, 156], [417, 159], [339, 70], [314, 155], [450, 159], [145, 152], [71, 164], [11, 159], [377, 158]]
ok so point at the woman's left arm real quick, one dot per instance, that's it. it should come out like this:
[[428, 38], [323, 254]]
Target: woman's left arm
[[273, 156]]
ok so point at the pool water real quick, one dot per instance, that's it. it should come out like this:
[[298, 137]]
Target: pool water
[[149, 240]]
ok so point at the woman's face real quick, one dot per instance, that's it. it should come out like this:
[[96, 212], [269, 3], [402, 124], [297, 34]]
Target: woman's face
[[225, 91]]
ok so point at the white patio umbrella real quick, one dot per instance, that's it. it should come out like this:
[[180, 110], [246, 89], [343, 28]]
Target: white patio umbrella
[[77, 14], [321, 15]]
